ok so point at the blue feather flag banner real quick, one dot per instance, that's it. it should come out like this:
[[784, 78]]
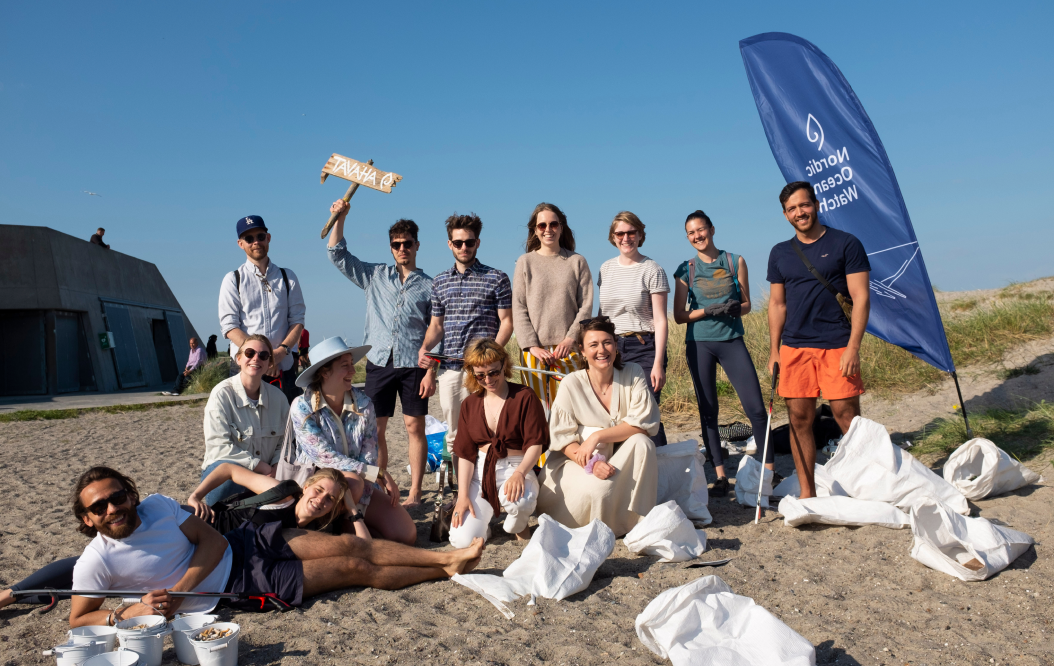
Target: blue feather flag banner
[[819, 132]]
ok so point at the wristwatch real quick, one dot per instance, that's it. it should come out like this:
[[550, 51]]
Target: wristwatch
[[284, 345]]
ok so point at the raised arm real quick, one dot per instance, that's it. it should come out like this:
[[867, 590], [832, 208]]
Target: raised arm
[[250, 480]]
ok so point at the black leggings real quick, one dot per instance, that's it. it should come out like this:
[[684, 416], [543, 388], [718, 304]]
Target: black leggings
[[703, 358], [57, 575]]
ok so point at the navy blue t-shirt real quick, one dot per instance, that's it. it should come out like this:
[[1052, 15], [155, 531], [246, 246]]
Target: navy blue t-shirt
[[814, 318]]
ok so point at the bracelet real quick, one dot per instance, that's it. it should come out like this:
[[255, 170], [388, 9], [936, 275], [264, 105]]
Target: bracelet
[[109, 619]]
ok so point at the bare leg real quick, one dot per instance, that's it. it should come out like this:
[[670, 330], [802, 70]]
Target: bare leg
[[355, 486], [415, 431], [720, 470], [844, 410], [308, 545], [382, 441], [334, 573], [802, 413], [393, 522]]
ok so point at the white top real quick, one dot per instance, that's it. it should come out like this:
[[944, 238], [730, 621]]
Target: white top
[[154, 557], [625, 293], [261, 304], [243, 431]]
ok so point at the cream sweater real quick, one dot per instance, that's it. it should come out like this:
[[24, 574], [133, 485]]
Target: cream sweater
[[550, 295]]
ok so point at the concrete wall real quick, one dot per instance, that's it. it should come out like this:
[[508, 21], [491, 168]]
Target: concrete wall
[[44, 269]]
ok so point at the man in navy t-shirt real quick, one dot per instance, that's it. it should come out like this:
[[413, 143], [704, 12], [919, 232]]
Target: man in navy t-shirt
[[821, 349]]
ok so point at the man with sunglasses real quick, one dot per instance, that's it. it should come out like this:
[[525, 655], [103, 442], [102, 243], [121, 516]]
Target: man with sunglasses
[[259, 297], [469, 301], [156, 545], [398, 309]]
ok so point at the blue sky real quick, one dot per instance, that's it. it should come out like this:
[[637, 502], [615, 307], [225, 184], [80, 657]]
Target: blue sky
[[185, 117]]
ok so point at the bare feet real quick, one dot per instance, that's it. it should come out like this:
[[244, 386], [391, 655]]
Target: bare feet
[[6, 598], [525, 535], [464, 560], [413, 497]]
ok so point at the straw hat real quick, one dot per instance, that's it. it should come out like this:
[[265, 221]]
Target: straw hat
[[326, 351]]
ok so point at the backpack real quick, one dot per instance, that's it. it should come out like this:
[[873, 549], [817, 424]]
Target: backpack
[[238, 281]]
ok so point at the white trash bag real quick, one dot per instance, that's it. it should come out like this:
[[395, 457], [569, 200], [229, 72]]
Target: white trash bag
[[981, 469], [826, 486], [681, 478], [747, 478], [666, 532], [836, 510], [868, 466], [558, 562], [704, 623], [970, 549]]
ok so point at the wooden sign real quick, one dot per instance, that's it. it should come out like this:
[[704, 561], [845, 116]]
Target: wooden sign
[[360, 172]]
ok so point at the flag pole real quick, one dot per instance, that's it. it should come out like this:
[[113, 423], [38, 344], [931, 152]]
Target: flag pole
[[962, 406]]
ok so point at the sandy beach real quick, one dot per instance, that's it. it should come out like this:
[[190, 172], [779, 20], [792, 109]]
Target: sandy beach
[[855, 593]]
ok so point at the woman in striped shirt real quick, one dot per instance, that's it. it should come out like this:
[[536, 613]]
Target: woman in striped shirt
[[633, 293]]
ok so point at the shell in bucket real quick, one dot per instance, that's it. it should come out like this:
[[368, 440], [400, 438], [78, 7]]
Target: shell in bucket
[[182, 629], [219, 651]]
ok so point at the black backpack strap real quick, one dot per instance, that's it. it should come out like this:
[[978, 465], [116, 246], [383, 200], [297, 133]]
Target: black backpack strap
[[281, 491], [812, 269], [285, 280], [238, 281]]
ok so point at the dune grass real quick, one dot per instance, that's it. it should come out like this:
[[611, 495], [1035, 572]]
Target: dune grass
[[1024, 433], [205, 378], [58, 414]]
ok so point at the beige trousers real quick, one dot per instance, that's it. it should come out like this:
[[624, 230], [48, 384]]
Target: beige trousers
[[450, 384]]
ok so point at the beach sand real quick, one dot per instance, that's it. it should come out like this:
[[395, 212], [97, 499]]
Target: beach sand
[[856, 594]]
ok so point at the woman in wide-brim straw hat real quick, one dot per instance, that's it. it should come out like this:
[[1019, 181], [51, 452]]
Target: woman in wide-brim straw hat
[[336, 427]]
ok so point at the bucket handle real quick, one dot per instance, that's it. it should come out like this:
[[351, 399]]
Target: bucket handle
[[216, 648]]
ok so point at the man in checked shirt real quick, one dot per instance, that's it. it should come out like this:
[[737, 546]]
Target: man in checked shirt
[[398, 310]]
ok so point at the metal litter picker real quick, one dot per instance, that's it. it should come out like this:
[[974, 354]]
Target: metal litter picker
[[768, 432], [263, 599]]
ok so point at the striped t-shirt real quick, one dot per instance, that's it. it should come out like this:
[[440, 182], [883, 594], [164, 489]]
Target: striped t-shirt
[[625, 293]]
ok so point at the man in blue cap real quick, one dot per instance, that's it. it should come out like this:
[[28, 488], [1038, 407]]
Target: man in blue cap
[[259, 297]]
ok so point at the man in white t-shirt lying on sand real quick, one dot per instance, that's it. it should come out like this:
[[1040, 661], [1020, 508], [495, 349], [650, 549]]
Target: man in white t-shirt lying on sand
[[156, 545]]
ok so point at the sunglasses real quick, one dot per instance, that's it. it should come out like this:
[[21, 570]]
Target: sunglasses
[[250, 352], [400, 245], [483, 376], [542, 226], [470, 243], [117, 499], [620, 234], [254, 238]]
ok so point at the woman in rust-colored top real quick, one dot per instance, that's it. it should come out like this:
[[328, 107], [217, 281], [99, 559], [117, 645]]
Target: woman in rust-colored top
[[501, 433]]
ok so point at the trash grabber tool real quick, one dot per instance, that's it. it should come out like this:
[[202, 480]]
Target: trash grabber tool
[[768, 431], [263, 599]]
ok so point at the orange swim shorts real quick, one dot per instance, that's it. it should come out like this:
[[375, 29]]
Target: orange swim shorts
[[806, 372]]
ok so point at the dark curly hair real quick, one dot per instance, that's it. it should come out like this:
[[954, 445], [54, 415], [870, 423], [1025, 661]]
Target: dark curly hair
[[600, 323], [94, 474], [403, 228]]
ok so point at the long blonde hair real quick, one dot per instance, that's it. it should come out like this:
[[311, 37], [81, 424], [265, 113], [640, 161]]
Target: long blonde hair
[[338, 502]]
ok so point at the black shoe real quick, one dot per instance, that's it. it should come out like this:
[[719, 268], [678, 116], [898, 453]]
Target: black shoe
[[720, 487], [776, 478]]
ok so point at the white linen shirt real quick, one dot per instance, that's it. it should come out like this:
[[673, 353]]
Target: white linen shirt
[[239, 433], [254, 309]]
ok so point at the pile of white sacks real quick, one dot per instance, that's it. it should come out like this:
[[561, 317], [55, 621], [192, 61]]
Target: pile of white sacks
[[870, 481]]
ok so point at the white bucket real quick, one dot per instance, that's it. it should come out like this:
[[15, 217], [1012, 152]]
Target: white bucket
[[221, 652], [148, 646], [121, 657], [182, 629], [94, 633], [74, 654]]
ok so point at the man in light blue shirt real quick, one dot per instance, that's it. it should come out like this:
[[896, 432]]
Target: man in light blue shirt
[[259, 297], [398, 311]]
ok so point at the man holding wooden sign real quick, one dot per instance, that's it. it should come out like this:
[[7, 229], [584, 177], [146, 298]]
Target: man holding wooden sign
[[398, 311]]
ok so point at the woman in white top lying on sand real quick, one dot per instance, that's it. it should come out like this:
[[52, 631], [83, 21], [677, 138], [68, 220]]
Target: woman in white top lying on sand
[[606, 409]]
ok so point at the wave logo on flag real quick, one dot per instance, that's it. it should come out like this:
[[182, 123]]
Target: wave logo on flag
[[819, 132]]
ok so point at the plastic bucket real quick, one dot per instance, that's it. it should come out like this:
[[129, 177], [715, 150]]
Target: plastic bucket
[[148, 646], [182, 629], [74, 654], [119, 658], [94, 633], [220, 652]]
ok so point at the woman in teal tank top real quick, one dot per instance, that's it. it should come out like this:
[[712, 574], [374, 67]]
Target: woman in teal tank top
[[712, 294]]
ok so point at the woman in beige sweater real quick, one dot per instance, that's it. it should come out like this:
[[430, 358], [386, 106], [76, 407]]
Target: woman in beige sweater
[[607, 410], [552, 291]]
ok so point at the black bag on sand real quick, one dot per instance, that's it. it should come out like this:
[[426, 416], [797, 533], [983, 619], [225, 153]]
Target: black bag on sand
[[444, 510], [824, 428]]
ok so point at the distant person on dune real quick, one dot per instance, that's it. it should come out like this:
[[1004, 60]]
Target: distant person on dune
[[96, 238], [196, 359], [210, 347]]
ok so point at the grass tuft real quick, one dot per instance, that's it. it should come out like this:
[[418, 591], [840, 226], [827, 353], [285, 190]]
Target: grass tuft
[[205, 378], [1010, 373], [55, 414], [1023, 433]]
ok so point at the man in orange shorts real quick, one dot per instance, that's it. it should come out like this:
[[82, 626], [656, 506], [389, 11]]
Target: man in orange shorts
[[821, 348]]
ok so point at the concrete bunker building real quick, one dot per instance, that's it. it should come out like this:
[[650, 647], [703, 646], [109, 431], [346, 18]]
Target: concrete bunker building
[[62, 301]]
